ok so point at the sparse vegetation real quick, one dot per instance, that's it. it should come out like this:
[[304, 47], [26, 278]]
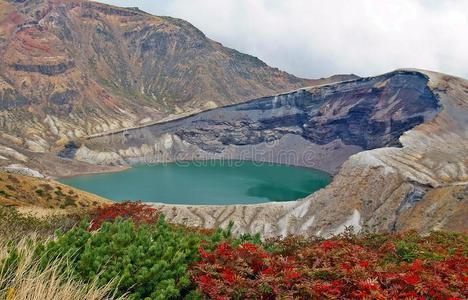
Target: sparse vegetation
[[13, 178], [14, 226], [47, 187], [18, 190], [69, 201]]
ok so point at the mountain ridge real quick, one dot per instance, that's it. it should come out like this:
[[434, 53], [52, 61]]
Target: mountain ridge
[[75, 68]]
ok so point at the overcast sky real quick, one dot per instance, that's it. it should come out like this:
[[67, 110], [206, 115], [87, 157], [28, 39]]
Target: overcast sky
[[316, 38]]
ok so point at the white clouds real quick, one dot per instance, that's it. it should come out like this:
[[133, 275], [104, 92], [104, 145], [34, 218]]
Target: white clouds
[[315, 38]]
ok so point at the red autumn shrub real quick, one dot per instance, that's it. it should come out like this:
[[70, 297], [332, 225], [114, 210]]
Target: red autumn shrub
[[140, 213], [221, 274], [371, 267]]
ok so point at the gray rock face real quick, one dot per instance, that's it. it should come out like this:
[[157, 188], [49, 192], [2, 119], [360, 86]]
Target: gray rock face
[[304, 127], [359, 112]]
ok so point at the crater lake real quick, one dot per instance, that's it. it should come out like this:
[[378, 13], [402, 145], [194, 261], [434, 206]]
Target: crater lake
[[205, 182]]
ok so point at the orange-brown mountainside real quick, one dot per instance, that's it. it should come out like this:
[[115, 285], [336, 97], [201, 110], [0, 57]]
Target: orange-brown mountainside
[[23, 191], [73, 68]]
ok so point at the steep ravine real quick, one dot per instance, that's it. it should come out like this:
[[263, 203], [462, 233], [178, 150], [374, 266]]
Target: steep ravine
[[412, 174]]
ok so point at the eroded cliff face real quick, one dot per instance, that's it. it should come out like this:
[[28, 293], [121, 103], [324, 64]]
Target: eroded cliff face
[[319, 127], [398, 143]]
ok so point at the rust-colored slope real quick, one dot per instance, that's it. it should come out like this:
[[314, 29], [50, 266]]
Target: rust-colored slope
[[21, 191]]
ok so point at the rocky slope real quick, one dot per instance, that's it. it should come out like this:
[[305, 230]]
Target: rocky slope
[[15, 159], [412, 126], [73, 68]]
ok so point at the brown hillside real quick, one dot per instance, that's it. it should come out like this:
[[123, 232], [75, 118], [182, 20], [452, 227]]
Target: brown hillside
[[74, 68], [22, 191]]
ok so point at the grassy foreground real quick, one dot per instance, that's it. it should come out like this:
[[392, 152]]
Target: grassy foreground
[[128, 251], [28, 280]]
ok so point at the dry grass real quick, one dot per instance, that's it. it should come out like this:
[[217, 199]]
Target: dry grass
[[15, 225], [30, 282], [24, 191]]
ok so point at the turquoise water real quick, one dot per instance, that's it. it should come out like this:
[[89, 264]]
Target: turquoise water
[[205, 182]]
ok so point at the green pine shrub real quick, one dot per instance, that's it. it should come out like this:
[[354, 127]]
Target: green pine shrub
[[149, 261]]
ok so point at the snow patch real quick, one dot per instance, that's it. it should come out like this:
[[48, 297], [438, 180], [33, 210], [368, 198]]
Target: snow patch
[[167, 141], [51, 123]]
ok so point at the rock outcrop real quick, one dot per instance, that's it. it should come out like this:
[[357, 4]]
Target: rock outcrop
[[398, 143]]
